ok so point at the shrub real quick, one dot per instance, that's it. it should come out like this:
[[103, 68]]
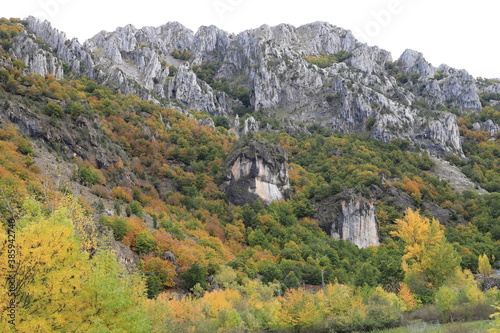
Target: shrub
[[439, 76], [145, 242], [75, 109], [135, 208], [122, 193], [222, 121], [181, 55], [52, 109], [101, 191], [172, 70], [118, 225], [369, 123], [402, 78], [89, 176]]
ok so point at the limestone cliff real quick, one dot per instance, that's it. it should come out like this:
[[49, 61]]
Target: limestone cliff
[[357, 223], [350, 216], [257, 170], [398, 99]]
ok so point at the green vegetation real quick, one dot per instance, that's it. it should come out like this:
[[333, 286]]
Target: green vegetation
[[269, 262], [483, 163], [208, 73], [326, 60], [181, 54]]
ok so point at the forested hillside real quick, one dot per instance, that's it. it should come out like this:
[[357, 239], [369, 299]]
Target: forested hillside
[[152, 226]]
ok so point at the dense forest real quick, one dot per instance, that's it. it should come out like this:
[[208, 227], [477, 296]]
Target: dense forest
[[205, 265]]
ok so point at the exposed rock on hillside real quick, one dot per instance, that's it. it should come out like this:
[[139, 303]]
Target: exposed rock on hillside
[[82, 138], [40, 61], [272, 64], [446, 171], [257, 170], [350, 216]]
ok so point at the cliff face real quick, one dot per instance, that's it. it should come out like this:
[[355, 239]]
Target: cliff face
[[271, 64], [357, 223], [256, 171], [349, 216]]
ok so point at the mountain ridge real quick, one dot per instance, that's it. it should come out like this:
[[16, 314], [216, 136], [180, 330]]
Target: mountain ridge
[[268, 70]]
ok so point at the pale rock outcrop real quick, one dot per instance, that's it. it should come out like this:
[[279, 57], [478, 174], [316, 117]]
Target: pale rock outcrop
[[206, 121], [69, 51], [413, 62], [40, 61], [250, 126], [257, 170], [349, 216], [490, 126], [270, 62], [357, 223], [443, 85]]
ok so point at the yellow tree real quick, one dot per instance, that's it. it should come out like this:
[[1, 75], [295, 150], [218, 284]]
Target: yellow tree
[[299, 310], [429, 259], [52, 283], [496, 322], [484, 266], [48, 271]]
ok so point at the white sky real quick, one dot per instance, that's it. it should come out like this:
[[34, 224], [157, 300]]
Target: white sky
[[461, 34]]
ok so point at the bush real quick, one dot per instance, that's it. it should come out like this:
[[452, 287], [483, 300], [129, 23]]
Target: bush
[[222, 121], [118, 225], [122, 193], [153, 285], [75, 109], [89, 176], [135, 208], [145, 242], [101, 191], [54, 110], [181, 55], [172, 70], [195, 275], [402, 78]]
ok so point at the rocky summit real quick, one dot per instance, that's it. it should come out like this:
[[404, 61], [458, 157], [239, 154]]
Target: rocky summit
[[313, 75]]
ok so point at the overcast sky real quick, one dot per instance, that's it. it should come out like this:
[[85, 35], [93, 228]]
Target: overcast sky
[[458, 33]]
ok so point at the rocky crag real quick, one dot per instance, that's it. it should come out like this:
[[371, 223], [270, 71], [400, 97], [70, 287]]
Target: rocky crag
[[269, 71], [257, 170]]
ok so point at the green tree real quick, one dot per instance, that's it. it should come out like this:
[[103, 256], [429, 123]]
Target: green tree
[[53, 110], [195, 274], [291, 280], [145, 242]]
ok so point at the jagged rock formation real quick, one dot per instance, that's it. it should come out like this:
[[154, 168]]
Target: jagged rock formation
[[350, 216], [38, 60], [443, 85], [250, 126], [257, 170], [270, 63], [81, 139]]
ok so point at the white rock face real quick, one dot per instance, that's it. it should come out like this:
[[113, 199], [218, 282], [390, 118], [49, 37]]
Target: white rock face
[[38, 60], [257, 171], [250, 126], [270, 62], [490, 126], [269, 185], [413, 62], [357, 223]]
